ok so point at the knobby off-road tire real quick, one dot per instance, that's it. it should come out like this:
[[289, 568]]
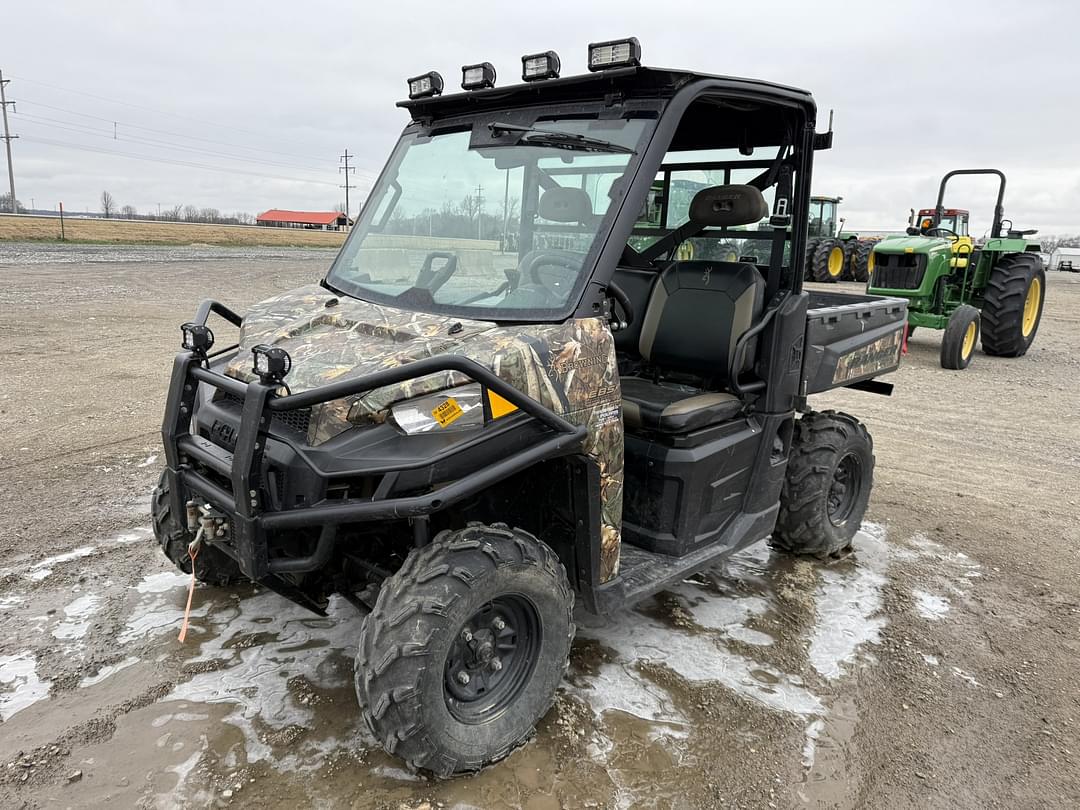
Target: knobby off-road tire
[[861, 263], [828, 263], [961, 335], [212, 567], [1013, 304], [468, 597], [829, 475]]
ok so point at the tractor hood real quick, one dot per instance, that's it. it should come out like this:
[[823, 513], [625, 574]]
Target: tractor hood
[[331, 338], [912, 244]]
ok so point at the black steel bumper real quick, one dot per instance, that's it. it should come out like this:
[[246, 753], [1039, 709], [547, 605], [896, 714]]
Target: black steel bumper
[[237, 485]]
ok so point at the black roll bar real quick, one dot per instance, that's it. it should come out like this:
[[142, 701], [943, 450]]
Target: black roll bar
[[999, 206]]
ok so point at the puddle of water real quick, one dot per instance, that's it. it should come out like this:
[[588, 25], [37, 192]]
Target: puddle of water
[[848, 604], [20, 685], [107, 671], [930, 606], [42, 569], [76, 619]]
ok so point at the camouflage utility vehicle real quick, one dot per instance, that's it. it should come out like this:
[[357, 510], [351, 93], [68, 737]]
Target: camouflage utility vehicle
[[492, 406]]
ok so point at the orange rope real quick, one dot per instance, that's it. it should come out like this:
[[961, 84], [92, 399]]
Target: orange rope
[[190, 593]]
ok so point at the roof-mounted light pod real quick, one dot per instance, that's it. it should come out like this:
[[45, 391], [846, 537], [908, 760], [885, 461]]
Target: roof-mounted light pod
[[539, 66], [477, 77], [429, 84], [614, 53]]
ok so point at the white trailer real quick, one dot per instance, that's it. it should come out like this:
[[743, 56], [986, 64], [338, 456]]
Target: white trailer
[[1065, 258]]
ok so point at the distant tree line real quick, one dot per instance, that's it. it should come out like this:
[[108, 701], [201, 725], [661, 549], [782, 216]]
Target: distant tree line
[[176, 213], [465, 219]]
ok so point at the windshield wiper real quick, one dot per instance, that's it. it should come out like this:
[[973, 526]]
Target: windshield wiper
[[560, 140]]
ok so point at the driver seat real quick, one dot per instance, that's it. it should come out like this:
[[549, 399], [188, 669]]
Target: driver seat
[[695, 315]]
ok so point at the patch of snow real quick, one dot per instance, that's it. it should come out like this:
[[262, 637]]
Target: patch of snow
[[40, 570], [930, 606], [20, 685], [107, 671], [77, 617]]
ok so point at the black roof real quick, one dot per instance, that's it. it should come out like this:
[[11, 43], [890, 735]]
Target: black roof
[[637, 82]]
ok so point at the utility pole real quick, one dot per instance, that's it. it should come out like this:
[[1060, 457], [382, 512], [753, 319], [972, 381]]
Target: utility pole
[[346, 168], [479, 210], [8, 138]]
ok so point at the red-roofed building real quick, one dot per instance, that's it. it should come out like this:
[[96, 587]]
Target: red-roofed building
[[311, 220]]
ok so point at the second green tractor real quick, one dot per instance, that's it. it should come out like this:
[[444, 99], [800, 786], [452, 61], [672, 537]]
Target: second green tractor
[[993, 290]]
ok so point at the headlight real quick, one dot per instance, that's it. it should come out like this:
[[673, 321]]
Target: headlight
[[453, 409]]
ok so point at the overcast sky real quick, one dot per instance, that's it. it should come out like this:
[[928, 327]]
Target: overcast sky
[[918, 88]]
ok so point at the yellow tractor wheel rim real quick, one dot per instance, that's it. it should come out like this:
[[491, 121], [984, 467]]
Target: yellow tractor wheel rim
[[836, 261], [870, 263], [1031, 307], [969, 340]]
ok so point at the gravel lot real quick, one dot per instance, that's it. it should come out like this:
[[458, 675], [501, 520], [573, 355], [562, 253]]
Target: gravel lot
[[935, 667]]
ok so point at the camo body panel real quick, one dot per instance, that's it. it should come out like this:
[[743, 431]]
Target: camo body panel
[[568, 367]]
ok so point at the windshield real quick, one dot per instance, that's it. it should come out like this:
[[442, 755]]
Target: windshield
[[494, 232], [822, 218]]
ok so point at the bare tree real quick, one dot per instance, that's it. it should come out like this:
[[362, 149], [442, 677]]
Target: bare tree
[[128, 212], [108, 204], [191, 213], [173, 214]]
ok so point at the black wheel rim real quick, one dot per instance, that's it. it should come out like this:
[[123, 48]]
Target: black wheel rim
[[845, 489], [491, 659]]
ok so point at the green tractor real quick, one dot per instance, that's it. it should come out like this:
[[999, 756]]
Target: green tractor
[[995, 288], [831, 254]]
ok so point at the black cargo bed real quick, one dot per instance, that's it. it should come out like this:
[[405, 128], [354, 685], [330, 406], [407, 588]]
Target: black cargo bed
[[850, 338]]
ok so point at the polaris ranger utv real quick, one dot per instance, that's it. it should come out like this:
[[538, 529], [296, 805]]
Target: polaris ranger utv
[[488, 410]]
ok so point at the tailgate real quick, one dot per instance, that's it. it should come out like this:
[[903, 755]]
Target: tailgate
[[851, 338]]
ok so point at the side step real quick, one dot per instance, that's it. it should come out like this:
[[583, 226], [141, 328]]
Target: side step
[[644, 573]]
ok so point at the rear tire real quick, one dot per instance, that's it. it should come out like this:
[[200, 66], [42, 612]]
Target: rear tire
[[811, 246], [425, 680], [828, 262], [212, 566], [1013, 304], [862, 262], [827, 485], [849, 259], [961, 335]]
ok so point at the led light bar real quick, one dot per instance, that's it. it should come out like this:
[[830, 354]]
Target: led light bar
[[196, 338], [614, 53], [429, 84], [539, 66], [271, 363], [477, 77]]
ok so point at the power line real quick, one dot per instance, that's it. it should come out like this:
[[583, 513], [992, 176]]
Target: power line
[[80, 129], [147, 109], [133, 156], [8, 138], [346, 168]]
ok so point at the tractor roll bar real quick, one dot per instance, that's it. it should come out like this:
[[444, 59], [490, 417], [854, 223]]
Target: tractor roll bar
[[999, 207]]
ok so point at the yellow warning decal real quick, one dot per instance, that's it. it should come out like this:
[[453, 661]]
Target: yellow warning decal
[[499, 405], [448, 412]]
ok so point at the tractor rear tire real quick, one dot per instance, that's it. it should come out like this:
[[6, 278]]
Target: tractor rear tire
[[1013, 304], [849, 260], [465, 647], [828, 262], [862, 263], [827, 485], [811, 246], [212, 566], [961, 335]]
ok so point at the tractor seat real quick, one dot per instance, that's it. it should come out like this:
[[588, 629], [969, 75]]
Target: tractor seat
[[672, 408]]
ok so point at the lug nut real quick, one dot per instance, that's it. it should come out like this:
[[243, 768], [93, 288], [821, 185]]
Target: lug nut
[[463, 678], [498, 624], [466, 635], [495, 664]]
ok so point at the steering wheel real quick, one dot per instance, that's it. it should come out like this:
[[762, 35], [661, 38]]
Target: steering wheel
[[946, 233], [535, 259], [432, 280], [620, 301]]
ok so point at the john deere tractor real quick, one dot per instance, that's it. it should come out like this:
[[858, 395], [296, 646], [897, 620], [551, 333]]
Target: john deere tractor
[[831, 254], [994, 289]]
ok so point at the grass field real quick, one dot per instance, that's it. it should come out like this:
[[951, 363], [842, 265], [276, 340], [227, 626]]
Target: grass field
[[25, 228]]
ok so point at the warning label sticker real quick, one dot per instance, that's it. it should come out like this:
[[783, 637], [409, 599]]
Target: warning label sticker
[[448, 412]]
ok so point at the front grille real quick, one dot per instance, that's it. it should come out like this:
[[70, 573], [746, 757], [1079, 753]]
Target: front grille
[[297, 420], [898, 271]]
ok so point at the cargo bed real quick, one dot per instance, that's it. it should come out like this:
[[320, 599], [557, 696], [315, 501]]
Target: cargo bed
[[850, 338]]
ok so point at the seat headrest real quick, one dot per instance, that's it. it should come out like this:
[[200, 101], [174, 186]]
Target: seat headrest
[[726, 206], [565, 205]]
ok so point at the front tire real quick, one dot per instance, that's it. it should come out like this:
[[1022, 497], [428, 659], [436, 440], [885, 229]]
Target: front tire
[[862, 264], [427, 679], [827, 485], [1013, 304], [212, 566], [961, 335]]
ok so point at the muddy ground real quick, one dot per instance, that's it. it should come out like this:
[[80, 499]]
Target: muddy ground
[[935, 667]]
